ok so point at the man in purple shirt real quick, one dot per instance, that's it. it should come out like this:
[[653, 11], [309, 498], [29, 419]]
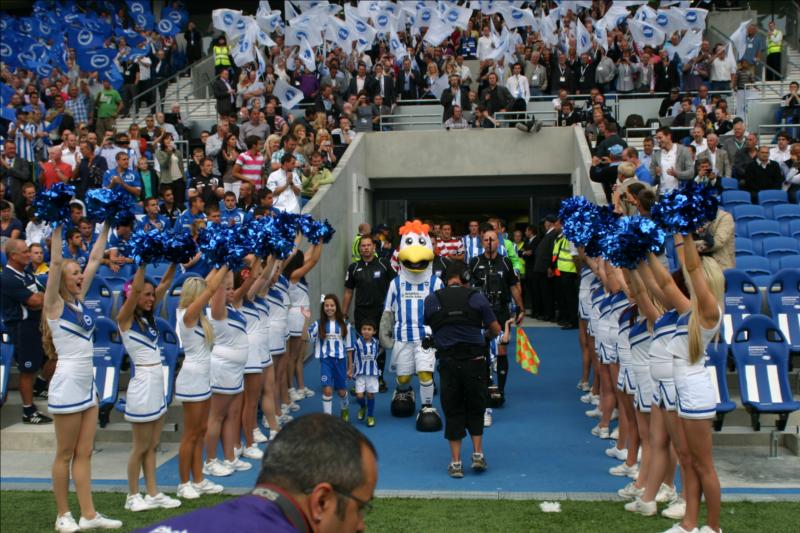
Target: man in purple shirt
[[319, 474]]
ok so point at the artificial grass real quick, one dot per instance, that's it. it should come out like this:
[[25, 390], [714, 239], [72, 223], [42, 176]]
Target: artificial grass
[[34, 511]]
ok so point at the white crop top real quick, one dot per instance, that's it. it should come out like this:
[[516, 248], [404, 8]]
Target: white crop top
[[141, 343], [678, 346], [298, 293], [72, 332], [196, 349]]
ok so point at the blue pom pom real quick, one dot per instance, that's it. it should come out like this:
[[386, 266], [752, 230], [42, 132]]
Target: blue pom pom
[[579, 217], [109, 205], [146, 247], [633, 239], [225, 245], [319, 231], [686, 208], [605, 223], [178, 247], [52, 206]]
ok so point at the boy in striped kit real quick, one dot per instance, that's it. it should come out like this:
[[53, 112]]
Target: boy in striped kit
[[333, 346], [365, 370]]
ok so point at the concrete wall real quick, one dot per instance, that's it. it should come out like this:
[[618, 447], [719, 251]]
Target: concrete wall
[[582, 159], [726, 22]]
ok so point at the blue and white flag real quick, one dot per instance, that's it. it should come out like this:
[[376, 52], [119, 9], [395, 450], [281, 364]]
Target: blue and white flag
[[424, 17], [458, 16], [269, 21], [8, 54], [614, 17], [43, 70], [364, 33], [242, 52], [289, 96], [439, 86], [670, 20], [167, 27], [383, 21], [645, 34], [583, 40], [84, 39], [339, 33], [132, 38], [307, 56], [144, 21], [396, 47], [178, 17], [225, 20], [135, 53], [438, 31], [689, 46], [6, 92], [515, 17], [739, 39], [695, 17], [113, 76], [99, 59], [548, 30], [646, 14], [601, 37], [138, 7]]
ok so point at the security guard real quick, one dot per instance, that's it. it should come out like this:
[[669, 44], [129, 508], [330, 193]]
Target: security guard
[[458, 316], [774, 48], [369, 277], [566, 272], [494, 276], [222, 58]]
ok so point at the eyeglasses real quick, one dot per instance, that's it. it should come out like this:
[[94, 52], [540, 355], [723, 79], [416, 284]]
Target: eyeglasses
[[364, 507]]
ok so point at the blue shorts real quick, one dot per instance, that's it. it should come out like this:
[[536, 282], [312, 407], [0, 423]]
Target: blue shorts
[[333, 373]]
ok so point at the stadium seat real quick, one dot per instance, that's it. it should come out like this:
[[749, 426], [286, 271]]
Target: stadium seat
[[779, 247], [158, 270], [6, 360], [168, 344], [771, 197], [746, 213], [731, 198], [100, 298], [742, 299], [716, 365], [789, 261], [174, 295], [740, 230], [757, 267], [758, 230], [794, 229], [115, 280], [762, 359], [783, 298], [3, 259], [784, 214], [730, 184], [744, 246], [107, 361]]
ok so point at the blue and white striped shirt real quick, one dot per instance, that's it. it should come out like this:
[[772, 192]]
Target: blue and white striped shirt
[[334, 345], [365, 357], [407, 301], [24, 146]]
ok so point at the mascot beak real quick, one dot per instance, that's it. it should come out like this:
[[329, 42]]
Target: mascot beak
[[415, 258]]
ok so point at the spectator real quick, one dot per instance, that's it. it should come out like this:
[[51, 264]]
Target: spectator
[[761, 174], [754, 47], [734, 143], [701, 119], [153, 219], [745, 156], [407, 82], [206, 184], [14, 171], [720, 163], [275, 122], [722, 123], [168, 209], [641, 171], [318, 176], [251, 91], [226, 160], [254, 126], [24, 202], [782, 152], [122, 178], [792, 173], [230, 214], [716, 239], [495, 98], [698, 140], [536, 74], [194, 43], [454, 95], [170, 163], [194, 214], [247, 200], [610, 138], [148, 177], [249, 165], [325, 148], [74, 248], [672, 164], [54, 170], [671, 105], [286, 185], [107, 104], [165, 127], [343, 132], [78, 105], [723, 75], [224, 93], [457, 121], [118, 249], [365, 114], [38, 266], [684, 118], [789, 112], [10, 227]]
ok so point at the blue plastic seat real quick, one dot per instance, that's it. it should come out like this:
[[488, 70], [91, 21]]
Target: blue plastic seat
[[716, 365], [779, 246], [745, 213], [762, 360], [793, 229], [168, 344], [740, 229], [783, 298], [744, 246], [99, 298], [731, 198], [757, 267], [785, 214], [157, 270], [742, 299], [730, 184], [107, 362], [789, 261], [6, 360], [173, 296], [772, 197], [758, 230]]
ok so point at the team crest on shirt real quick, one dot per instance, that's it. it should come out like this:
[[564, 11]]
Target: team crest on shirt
[[87, 321], [152, 331]]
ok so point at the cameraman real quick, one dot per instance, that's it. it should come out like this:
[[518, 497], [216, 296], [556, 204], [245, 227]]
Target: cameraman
[[494, 276], [458, 315]]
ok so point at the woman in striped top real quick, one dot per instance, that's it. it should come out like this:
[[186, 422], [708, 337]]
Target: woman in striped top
[[332, 342]]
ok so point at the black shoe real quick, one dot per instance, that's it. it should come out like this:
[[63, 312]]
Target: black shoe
[[382, 386], [523, 127], [41, 394], [537, 127], [36, 418]]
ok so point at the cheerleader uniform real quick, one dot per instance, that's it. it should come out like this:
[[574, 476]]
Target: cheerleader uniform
[[230, 353], [598, 295], [664, 394], [608, 323], [278, 299], [626, 380], [696, 394], [194, 382], [640, 340], [254, 341], [145, 400], [72, 385], [585, 293], [298, 299], [263, 323]]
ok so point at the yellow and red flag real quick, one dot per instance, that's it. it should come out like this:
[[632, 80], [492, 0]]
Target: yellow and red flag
[[526, 355]]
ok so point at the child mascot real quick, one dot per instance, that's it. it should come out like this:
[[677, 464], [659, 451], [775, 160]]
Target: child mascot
[[402, 328]]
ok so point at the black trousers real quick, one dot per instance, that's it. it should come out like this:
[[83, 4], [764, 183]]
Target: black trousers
[[568, 297], [544, 295], [465, 395], [530, 291], [774, 62]]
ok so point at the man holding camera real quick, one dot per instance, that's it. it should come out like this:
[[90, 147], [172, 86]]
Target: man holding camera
[[458, 316]]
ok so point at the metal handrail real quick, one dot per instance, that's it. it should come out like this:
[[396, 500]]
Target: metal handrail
[[166, 81]]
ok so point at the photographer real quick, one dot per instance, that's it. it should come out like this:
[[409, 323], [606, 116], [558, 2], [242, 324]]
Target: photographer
[[457, 316]]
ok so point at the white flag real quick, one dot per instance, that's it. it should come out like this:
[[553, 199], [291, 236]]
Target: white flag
[[548, 29], [694, 18], [339, 33], [583, 40], [601, 36], [730, 58], [397, 47], [364, 33], [438, 31], [645, 34], [243, 52], [439, 86], [500, 47], [288, 95], [307, 56], [457, 16], [615, 16], [515, 17], [739, 39], [646, 14], [225, 19], [670, 20], [689, 46], [289, 10]]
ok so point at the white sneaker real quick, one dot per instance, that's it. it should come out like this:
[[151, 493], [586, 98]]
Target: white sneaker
[[208, 487], [614, 414], [583, 386], [630, 491], [676, 509], [253, 452], [596, 399], [601, 432], [589, 398], [258, 436], [66, 524], [615, 433], [616, 453], [187, 491], [285, 419], [594, 413], [624, 470], [284, 408], [642, 508], [135, 503], [708, 529], [217, 468], [308, 393], [272, 434], [238, 465], [295, 395], [162, 501], [678, 529], [99, 522], [293, 407], [665, 494], [487, 418]]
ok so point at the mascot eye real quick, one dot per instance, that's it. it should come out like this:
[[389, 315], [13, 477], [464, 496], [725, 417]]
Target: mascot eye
[[409, 240], [422, 241]]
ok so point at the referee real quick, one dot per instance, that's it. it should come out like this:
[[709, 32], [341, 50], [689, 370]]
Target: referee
[[458, 316], [369, 277]]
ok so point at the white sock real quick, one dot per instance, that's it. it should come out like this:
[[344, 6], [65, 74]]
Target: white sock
[[426, 392], [344, 403], [327, 405]]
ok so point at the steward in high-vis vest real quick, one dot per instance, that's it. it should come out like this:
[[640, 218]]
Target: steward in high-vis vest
[[222, 55], [566, 272], [774, 45], [458, 317]]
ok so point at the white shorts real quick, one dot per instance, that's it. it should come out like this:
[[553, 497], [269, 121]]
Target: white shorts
[[626, 380], [193, 383], [266, 356], [366, 384], [644, 388], [664, 394], [278, 331], [608, 354], [144, 401], [227, 377], [296, 321], [71, 387], [253, 365], [696, 395], [409, 358]]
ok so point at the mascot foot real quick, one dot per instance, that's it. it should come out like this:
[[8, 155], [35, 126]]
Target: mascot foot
[[403, 404], [428, 419]]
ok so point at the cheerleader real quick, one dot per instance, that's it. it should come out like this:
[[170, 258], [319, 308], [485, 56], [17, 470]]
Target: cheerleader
[[584, 308], [294, 271], [145, 404], [333, 346], [698, 324], [228, 359], [598, 294], [193, 385], [67, 329], [278, 300]]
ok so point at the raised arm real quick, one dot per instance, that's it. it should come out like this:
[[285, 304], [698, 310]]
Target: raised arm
[[648, 281], [195, 309], [52, 298], [673, 297], [95, 258], [165, 283], [255, 269], [218, 301], [311, 259], [262, 283], [706, 300], [639, 293], [125, 313]]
